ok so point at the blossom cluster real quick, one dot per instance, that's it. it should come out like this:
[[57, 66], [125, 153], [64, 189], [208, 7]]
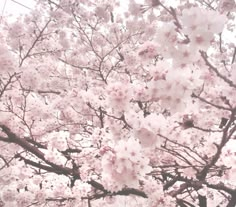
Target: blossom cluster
[[201, 30], [123, 165]]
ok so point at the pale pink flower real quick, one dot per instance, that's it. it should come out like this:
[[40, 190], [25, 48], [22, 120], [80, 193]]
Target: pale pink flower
[[227, 5], [148, 51], [119, 95]]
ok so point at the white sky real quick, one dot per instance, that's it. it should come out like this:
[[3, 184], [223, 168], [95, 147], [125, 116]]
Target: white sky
[[13, 8]]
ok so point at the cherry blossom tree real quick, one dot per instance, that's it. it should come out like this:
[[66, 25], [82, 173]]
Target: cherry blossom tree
[[104, 103]]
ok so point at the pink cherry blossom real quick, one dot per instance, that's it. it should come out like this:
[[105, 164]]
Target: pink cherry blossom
[[113, 103]]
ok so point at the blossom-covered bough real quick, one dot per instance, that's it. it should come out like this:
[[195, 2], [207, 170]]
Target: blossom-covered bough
[[104, 103]]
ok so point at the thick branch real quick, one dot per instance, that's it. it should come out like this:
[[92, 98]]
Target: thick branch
[[210, 103], [22, 142], [61, 169], [225, 138], [202, 201], [213, 68], [232, 202]]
